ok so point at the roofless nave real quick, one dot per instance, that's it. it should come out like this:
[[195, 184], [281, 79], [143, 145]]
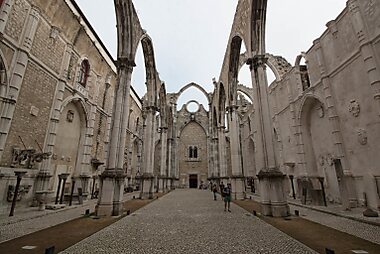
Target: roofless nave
[[310, 135]]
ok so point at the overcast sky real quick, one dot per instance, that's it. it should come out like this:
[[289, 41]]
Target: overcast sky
[[190, 36]]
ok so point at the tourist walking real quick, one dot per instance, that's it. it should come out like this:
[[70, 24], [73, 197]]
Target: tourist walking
[[214, 190], [227, 197], [221, 188]]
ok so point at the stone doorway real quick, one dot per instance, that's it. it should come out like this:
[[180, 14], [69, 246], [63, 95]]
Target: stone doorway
[[193, 181]]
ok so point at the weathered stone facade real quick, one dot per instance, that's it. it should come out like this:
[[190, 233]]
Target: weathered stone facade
[[50, 105], [64, 109], [329, 129]]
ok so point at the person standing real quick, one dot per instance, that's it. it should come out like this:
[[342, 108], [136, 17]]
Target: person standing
[[214, 190], [221, 188], [227, 197]]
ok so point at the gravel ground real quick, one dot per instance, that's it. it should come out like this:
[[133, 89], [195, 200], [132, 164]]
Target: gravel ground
[[189, 221], [31, 220], [359, 229]]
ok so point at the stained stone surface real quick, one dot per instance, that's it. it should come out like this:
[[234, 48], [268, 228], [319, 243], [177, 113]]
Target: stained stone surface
[[189, 221]]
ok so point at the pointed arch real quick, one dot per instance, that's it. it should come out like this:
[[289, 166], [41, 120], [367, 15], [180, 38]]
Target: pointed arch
[[163, 106], [192, 84], [258, 23], [233, 70], [221, 105], [124, 23], [80, 103], [3, 77]]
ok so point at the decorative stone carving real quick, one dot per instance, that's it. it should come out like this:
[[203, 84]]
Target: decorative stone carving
[[321, 111], [321, 160], [354, 108], [330, 159], [11, 192], [34, 111], [362, 136], [27, 158], [70, 116]]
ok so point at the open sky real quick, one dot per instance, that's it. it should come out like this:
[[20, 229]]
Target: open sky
[[190, 36]]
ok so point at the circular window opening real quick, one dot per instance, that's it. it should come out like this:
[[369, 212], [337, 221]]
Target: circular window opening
[[192, 106]]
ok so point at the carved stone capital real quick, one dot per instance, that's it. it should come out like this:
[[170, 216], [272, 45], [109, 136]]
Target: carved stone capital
[[257, 61], [125, 63]]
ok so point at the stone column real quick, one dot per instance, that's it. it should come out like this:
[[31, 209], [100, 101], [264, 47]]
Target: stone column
[[85, 166], [45, 169], [22, 57], [170, 164], [237, 178], [222, 153], [215, 154], [148, 153], [273, 200], [366, 49], [163, 166], [340, 151], [111, 180], [4, 14], [175, 168]]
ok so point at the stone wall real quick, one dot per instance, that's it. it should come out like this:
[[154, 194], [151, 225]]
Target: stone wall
[[338, 116], [192, 128], [49, 89]]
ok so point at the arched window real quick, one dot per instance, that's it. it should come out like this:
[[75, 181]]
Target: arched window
[[3, 79], [137, 124], [84, 72], [193, 152], [190, 152], [304, 77], [301, 63]]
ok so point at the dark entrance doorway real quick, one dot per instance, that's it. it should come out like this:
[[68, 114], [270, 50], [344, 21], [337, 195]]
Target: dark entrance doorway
[[193, 181]]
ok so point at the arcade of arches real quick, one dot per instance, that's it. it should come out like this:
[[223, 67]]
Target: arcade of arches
[[312, 134]]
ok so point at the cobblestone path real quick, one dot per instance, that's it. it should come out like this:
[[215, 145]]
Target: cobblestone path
[[359, 229], [189, 221]]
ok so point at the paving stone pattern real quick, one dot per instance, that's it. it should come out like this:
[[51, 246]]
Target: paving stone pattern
[[27, 221], [359, 229], [189, 221], [24, 225]]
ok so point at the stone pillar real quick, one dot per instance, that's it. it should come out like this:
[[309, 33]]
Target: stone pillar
[[45, 169], [340, 151], [366, 49], [164, 165], [222, 153], [85, 166], [112, 179], [273, 200], [4, 14], [175, 157], [148, 153], [170, 164], [237, 178], [215, 154], [22, 57]]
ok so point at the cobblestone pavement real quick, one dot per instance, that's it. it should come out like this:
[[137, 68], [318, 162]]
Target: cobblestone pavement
[[344, 224], [359, 229], [189, 221], [30, 220]]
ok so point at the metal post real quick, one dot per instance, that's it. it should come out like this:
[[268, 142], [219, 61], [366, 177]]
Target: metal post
[[93, 187], [323, 190], [59, 187], [291, 181], [19, 175], [72, 191]]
